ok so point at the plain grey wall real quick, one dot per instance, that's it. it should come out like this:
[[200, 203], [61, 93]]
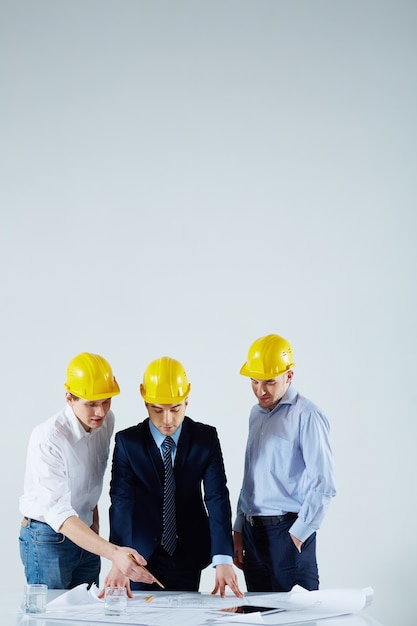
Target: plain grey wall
[[182, 177]]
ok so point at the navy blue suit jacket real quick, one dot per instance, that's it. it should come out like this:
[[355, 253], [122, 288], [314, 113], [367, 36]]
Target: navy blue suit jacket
[[136, 491]]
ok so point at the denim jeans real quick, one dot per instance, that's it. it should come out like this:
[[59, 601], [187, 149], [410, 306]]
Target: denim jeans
[[53, 559], [273, 563]]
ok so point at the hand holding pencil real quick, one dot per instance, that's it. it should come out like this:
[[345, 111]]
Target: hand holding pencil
[[136, 571], [132, 568], [131, 556]]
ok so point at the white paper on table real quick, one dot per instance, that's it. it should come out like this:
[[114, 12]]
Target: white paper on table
[[302, 605], [83, 604], [334, 601], [195, 609], [81, 596], [75, 597]]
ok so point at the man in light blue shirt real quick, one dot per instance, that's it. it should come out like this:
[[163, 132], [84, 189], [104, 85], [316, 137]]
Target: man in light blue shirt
[[288, 478]]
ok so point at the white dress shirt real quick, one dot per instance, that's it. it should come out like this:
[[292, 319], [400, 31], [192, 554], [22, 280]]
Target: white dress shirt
[[65, 466]]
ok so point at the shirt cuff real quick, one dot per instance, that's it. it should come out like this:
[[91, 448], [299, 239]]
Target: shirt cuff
[[55, 519], [238, 525], [221, 559], [300, 530]]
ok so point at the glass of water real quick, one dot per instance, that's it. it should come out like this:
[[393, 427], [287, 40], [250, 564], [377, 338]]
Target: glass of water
[[35, 598], [115, 601]]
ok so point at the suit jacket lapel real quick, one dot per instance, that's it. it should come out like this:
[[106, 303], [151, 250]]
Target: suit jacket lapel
[[183, 445], [153, 453]]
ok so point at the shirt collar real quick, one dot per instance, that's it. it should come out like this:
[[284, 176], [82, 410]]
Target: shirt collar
[[289, 397], [159, 437], [76, 427]]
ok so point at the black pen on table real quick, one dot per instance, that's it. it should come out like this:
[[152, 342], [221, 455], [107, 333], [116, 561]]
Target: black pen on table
[[130, 555]]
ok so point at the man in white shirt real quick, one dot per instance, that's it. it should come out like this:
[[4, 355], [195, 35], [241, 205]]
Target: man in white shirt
[[66, 460]]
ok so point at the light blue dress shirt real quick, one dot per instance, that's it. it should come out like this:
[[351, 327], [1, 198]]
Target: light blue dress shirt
[[218, 559], [160, 438], [288, 464]]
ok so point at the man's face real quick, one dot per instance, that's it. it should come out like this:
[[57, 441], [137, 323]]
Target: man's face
[[90, 414], [269, 392], [166, 417]]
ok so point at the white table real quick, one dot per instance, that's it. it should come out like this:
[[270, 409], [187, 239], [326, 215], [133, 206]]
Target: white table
[[10, 616]]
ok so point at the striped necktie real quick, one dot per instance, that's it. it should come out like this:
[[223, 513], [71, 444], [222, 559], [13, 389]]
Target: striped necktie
[[169, 534]]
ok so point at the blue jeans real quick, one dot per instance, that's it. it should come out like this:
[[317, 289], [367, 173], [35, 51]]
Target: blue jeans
[[273, 563], [53, 559]]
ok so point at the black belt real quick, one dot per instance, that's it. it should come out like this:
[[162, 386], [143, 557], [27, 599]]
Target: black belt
[[30, 519], [269, 520]]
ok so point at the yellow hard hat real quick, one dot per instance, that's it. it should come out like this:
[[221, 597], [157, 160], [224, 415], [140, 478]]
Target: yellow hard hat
[[165, 382], [268, 357], [90, 377]]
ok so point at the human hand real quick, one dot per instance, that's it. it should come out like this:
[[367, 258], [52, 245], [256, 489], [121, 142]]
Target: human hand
[[95, 526], [298, 544], [225, 575], [238, 546], [115, 578], [133, 568]]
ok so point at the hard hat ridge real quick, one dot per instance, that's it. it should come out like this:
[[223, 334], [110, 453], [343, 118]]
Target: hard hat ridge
[[268, 357], [165, 382], [90, 377]]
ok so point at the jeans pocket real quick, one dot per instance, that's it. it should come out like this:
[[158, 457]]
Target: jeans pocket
[[24, 552], [47, 536]]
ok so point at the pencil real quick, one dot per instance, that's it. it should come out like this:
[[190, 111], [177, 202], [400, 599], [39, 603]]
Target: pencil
[[148, 599], [130, 555]]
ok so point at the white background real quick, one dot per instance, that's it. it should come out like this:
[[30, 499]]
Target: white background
[[181, 177]]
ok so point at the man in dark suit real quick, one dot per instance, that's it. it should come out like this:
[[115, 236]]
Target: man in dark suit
[[176, 530]]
